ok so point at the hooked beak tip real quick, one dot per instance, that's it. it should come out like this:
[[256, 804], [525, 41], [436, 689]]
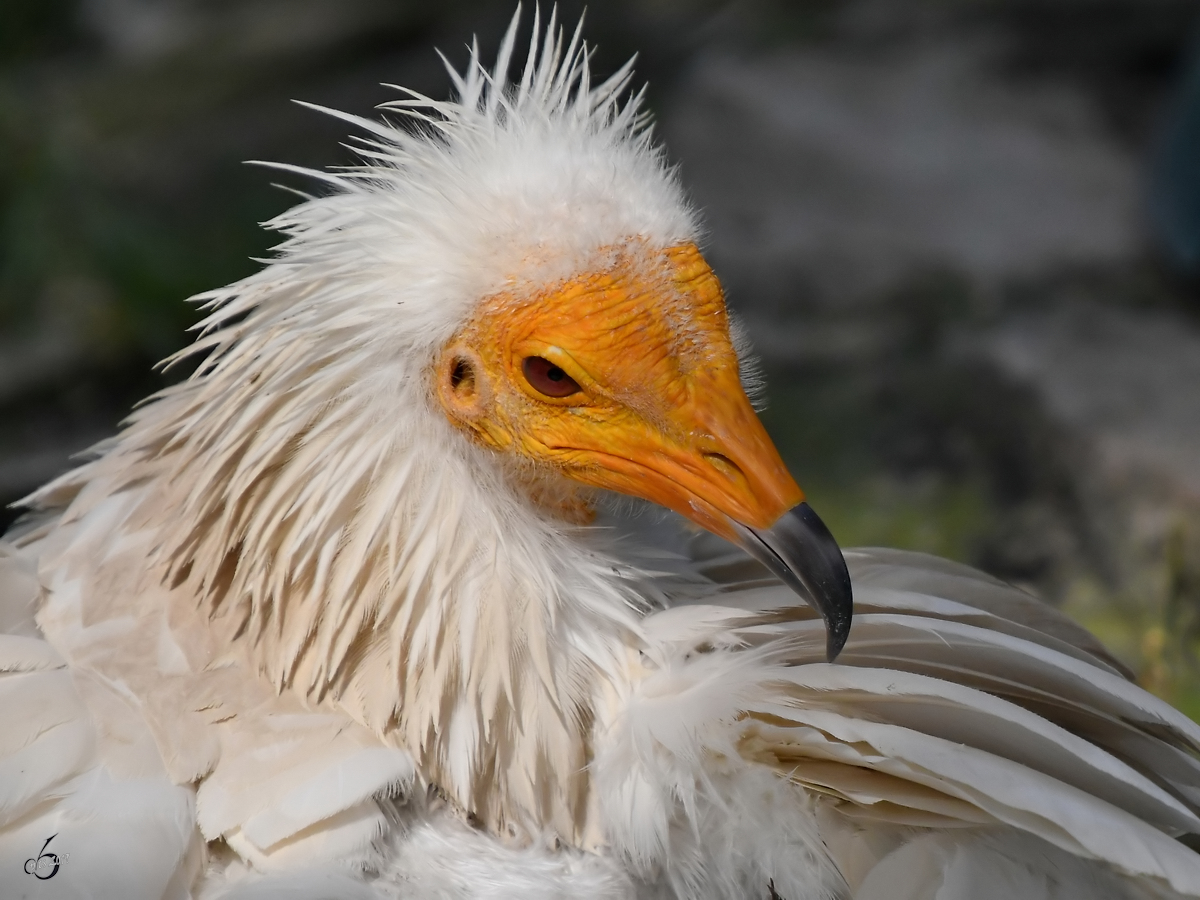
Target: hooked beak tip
[[801, 552]]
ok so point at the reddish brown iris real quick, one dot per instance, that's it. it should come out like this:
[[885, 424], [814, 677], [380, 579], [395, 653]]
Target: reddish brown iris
[[624, 379], [547, 378]]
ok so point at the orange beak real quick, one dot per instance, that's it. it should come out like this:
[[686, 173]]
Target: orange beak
[[708, 458], [627, 380]]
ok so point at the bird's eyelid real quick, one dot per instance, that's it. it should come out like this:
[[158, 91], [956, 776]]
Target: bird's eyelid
[[565, 361], [548, 379]]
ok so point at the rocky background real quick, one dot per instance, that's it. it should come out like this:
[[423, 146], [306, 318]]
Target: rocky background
[[965, 235]]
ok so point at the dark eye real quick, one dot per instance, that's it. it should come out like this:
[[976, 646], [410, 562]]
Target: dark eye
[[547, 378]]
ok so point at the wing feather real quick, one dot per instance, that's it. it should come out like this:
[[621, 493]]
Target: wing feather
[[1012, 794], [972, 718], [923, 574], [958, 703]]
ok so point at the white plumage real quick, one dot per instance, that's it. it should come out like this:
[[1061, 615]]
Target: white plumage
[[293, 633]]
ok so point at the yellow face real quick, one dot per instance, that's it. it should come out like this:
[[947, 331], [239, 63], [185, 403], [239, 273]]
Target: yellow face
[[623, 379]]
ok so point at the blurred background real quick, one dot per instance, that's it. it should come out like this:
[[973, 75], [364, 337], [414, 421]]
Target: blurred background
[[964, 234]]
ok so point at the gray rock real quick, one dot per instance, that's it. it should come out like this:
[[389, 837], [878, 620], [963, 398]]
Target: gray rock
[[830, 176], [1128, 381]]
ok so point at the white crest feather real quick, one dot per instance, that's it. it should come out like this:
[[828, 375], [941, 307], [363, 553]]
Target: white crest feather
[[298, 509], [300, 487]]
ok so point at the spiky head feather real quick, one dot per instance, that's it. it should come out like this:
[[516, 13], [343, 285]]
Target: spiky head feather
[[300, 487]]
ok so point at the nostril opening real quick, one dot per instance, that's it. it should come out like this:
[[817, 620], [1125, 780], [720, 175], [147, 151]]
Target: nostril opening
[[462, 376], [722, 462], [462, 384]]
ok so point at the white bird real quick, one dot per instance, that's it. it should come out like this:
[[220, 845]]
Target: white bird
[[332, 618]]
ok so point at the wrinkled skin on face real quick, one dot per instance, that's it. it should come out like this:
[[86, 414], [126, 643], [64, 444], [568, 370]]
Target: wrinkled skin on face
[[623, 378]]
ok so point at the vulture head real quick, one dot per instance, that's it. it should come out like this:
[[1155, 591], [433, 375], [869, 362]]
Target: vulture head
[[377, 482], [352, 556]]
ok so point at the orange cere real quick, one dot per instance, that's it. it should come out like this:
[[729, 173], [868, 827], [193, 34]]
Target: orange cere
[[659, 413]]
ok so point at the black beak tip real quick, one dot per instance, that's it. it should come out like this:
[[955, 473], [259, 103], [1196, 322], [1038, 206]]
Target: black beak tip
[[799, 549], [837, 632]]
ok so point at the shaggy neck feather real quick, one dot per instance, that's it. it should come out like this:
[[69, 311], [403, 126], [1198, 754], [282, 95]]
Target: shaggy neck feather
[[301, 491], [367, 555]]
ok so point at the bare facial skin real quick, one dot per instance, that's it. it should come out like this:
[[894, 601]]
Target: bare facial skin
[[624, 379]]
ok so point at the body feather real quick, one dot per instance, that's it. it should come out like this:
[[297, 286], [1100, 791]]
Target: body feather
[[289, 634]]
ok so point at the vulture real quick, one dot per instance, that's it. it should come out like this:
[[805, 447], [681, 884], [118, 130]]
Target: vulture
[[347, 613]]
